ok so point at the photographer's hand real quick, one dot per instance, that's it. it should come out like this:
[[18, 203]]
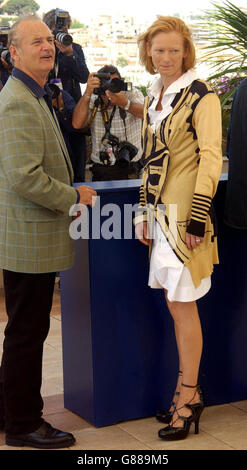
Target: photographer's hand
[[80, 114], [93, 82], [66, 50], [120, 99], [58, 103]]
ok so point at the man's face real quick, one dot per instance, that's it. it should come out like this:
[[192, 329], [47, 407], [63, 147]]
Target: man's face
[[35, 52]]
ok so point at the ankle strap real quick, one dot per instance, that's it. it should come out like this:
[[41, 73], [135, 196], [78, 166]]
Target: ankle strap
[[189, 386]]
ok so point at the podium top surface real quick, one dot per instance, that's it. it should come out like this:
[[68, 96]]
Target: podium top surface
[[121, 185]]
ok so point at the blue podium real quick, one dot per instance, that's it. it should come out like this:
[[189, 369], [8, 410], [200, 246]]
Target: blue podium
[[119, 353]]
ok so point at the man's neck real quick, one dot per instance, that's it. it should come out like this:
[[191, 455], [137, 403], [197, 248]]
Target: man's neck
[[41, 79]]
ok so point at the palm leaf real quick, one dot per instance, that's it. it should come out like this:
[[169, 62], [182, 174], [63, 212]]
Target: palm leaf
[[227, 25]]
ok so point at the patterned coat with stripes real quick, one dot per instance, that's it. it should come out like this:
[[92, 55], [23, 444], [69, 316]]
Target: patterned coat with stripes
[[182, 166]]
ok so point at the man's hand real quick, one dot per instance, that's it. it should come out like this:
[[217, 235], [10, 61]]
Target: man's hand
[[87, 195], [93, 82], [66, 50], [119, 99], [141, 230], [58, 103]]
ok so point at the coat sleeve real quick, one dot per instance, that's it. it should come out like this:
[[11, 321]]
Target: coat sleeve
[[25, 159], [207, 124], [141, 212], [76, 64]]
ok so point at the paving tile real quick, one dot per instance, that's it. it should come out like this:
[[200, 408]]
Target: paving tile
[[26, 448], [68, 421], [51, 387], [146, 430], [234, 435], [242, 405], [54, 404], [54, 369], [10, 448], [142, 429], [214, 417], [110, 438], [201, 441]]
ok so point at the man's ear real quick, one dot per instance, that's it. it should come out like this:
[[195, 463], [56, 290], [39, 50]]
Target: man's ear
[[14, 52]]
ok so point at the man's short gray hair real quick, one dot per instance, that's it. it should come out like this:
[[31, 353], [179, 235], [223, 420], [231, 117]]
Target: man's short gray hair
[[13, 37]]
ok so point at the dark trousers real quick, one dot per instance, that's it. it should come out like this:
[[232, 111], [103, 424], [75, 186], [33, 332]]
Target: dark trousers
[[28, 300]]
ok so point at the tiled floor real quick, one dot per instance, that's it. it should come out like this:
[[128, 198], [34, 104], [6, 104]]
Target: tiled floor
[[222, 427]]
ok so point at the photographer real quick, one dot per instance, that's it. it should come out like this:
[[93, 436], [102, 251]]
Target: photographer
[[64, 105], [6, 65], [5, 71], [115, 120], [71, 69], [70, 64]]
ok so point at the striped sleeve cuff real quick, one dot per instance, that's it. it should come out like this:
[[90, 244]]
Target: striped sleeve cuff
[[142, 201], [141, 214], [200, 208]]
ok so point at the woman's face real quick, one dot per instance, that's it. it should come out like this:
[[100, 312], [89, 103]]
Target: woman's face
[[167, 52]]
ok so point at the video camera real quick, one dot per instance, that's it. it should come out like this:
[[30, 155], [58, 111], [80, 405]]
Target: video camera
[[61, 36], [115, 85], [123, 151], [4, 51]]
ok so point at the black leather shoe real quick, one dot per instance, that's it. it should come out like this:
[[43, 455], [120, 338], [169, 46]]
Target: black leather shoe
[[165, 416], [45, 437]]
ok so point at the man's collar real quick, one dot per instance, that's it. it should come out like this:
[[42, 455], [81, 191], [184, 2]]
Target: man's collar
[[36, 89]]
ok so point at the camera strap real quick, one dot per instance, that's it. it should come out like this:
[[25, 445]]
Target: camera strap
[[107, 121]]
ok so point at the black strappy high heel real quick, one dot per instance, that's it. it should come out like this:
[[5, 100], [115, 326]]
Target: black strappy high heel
[[165, 416], [171, 433]]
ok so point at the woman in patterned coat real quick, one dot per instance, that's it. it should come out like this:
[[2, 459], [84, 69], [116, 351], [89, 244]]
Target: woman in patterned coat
[[182, 165]]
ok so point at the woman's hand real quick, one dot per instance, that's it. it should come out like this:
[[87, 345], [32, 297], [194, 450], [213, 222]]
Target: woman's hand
[[141, 231], [192, 241]]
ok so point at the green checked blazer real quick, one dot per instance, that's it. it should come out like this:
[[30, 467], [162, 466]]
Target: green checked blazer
[[35, 185]]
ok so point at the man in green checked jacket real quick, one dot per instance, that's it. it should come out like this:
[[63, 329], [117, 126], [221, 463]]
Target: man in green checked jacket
[[36, 195]]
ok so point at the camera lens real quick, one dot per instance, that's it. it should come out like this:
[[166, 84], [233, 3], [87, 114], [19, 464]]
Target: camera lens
[[64, 38]]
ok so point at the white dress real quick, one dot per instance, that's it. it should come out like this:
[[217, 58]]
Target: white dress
[[166, 270]]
